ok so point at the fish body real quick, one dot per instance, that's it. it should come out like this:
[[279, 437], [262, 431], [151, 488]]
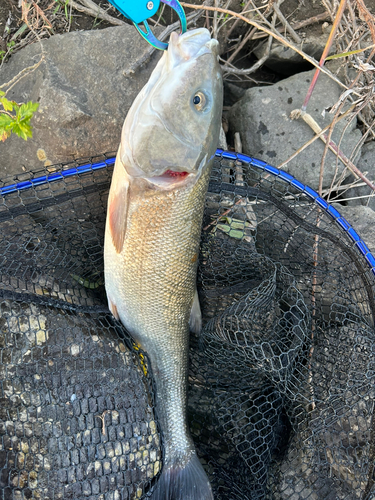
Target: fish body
[[153, 227]]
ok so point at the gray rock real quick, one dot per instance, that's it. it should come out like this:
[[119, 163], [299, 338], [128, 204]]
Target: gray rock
[[222, 140], [363, 221], [366, 164], [84, 94], [285, 60], [262, 117], [232, 93]]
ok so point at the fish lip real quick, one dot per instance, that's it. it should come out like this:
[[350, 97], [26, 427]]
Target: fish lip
[[182, 47], [169, 181]]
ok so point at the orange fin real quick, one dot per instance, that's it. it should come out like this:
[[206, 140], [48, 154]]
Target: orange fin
[[118, 205], [113, 309]]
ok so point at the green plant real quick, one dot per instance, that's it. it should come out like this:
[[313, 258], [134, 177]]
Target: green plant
[[16, 118], [10, 46], [62, 4]]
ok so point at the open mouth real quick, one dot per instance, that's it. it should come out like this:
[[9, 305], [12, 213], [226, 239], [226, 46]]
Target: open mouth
[[177, 175], [170, 178]]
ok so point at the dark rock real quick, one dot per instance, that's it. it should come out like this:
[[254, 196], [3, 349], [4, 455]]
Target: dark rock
[[285, 60], [84, 94], [366, 164], [262, 117], [232, 93]]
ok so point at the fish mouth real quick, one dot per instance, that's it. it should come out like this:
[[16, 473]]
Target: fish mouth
[[171, 179], [172, 173], [177, 177], [190, 45]]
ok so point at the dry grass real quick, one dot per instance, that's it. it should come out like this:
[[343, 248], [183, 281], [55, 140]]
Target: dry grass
[[240, 27]]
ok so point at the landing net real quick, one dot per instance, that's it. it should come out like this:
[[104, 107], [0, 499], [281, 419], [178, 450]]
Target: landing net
[[281, 382]]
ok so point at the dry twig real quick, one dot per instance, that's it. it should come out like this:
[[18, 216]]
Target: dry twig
[[325, 52], [92, 9], [274, 34]]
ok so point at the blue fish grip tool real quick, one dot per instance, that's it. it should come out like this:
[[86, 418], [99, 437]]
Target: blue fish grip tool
[[138, 11]]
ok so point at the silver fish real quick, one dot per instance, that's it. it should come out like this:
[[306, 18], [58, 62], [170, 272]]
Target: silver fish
[[154, 219]]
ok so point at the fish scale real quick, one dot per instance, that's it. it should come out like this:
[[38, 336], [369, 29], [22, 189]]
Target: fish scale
[[154, 218], [159, 262]]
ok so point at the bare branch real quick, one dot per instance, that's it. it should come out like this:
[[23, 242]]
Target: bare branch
[[94, 10]]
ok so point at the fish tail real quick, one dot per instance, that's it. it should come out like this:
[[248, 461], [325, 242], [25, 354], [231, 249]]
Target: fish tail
[[187, 482]]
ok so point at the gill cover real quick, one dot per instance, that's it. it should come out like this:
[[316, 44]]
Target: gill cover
[[175, 120]]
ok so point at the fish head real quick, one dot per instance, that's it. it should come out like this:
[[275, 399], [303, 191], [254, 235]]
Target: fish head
[[173, 126]]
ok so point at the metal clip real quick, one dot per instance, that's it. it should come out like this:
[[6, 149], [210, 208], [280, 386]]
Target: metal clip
[[139, 12], [150, 37]]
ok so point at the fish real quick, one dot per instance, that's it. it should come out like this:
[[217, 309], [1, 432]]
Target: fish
[[152, 236]]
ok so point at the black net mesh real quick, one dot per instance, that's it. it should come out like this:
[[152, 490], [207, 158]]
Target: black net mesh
[[281, 377]]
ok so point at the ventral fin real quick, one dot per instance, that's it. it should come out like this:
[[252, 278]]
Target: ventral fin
[[195, 321], [118, 203]]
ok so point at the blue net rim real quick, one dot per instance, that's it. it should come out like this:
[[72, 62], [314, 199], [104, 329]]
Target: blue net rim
[[227, 155]]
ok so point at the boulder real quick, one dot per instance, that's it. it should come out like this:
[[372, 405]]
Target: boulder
[[366, 164], [84, 90], [267, 131], [285, 60], [232, 93]]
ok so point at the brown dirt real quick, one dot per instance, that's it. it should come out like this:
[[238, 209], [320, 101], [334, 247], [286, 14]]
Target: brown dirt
[[61, 19]]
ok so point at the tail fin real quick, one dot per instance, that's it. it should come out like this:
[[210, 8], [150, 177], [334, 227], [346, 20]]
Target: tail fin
[[183, 483]]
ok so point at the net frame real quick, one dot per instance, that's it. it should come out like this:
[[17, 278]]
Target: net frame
[[68, 172]]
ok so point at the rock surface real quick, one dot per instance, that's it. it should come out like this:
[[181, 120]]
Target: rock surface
[[366, 164], [285, 60], [363, 221], [262, 117], [84, 94]]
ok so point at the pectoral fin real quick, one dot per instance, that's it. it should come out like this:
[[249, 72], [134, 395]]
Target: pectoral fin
[[118, 203], [113, 309], [195, 321]]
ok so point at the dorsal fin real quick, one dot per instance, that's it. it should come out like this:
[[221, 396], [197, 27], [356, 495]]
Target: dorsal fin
[[118, 203]]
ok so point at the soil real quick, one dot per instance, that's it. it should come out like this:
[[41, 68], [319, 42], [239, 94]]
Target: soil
[[80, 21], [59, 17]]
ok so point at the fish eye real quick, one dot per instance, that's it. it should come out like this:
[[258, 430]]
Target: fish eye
[[199, 101]]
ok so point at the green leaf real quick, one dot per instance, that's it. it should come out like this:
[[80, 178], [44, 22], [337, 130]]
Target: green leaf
[[87, 283], [19, 124], [20, 31], [233, 233], [27, 110], [235, 223], [23, 130], [1, 92], [235, 228], [6, 121], [7, 105], [345, 54]]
